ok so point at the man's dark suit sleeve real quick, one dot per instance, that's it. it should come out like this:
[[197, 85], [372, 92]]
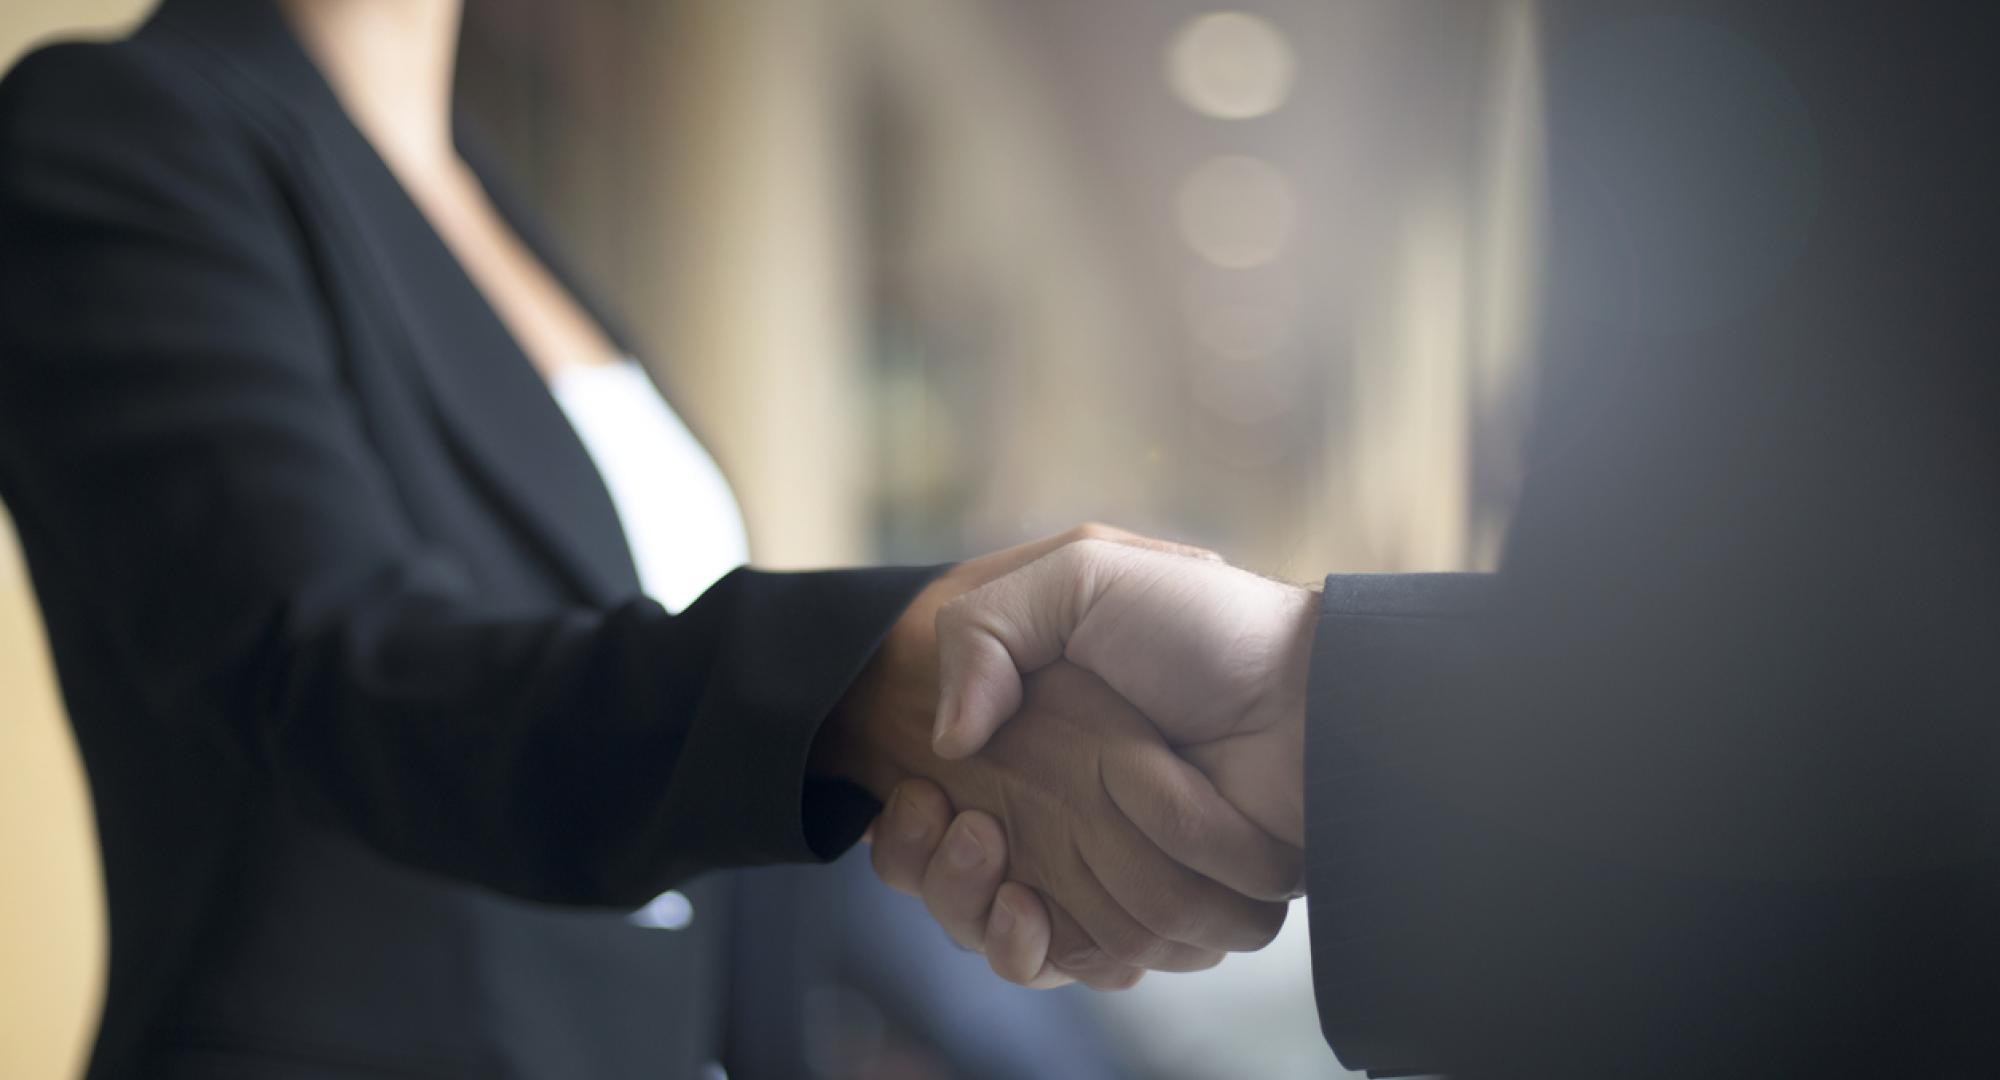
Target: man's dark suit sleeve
[[174, 427], [1377, 632], [1507, 877]]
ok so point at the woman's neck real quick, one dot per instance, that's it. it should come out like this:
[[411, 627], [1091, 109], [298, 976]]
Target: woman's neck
[[391, 64]]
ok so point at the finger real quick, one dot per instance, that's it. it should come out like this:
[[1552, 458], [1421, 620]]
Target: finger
[[1175, 806], [1174, 903], [1073, 954], [1250, 770], [963, 876], [1017, 939], [1121, 935], [911, 826]]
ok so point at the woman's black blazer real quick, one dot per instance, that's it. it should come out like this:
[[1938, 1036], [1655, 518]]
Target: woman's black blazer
[[373, 711]]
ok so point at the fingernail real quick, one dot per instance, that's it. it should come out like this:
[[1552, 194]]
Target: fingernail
[[964, 849], [1003, 917]]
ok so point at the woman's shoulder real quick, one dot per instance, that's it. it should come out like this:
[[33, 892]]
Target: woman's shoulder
[[132, 90], [132, 120]]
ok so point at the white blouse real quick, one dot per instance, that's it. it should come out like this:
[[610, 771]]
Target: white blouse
[[681, 520]]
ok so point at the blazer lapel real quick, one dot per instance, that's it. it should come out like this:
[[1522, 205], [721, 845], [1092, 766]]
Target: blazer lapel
[[491, 402]]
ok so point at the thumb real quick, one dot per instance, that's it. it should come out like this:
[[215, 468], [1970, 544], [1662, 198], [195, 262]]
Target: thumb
[[986, 640], [978, 689]]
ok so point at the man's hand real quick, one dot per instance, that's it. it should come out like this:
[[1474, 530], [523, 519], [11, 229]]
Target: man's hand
[[1080, 789], [1216, 657]]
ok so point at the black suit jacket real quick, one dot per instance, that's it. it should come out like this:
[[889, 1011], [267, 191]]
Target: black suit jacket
[[372, 710], [1706, 781]]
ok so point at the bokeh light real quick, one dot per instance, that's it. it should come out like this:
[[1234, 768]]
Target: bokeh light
[[1231, 65], [1237, 211]]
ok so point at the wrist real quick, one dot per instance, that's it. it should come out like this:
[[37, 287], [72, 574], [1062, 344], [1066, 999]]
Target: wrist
[[1282, 706], [1283, 716], [879, 732]]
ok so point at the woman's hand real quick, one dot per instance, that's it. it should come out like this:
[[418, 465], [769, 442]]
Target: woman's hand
[[916, 849]]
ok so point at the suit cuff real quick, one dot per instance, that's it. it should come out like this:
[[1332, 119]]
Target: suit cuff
[[799, 641], [1375, 631]]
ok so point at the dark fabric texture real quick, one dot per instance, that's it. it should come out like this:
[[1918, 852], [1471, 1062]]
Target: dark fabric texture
[[381, 735], [1702, 782]]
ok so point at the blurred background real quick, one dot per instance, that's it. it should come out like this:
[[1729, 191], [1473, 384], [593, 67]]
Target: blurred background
[[936, 276]]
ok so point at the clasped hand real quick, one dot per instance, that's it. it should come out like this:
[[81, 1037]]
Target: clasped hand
[[1119, 730]]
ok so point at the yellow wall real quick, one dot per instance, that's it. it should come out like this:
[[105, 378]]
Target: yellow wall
[[24, 23], [51, 909], [51, 904]]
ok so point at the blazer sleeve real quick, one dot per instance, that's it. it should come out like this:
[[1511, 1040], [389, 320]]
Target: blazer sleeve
[[1567, 838], [1377, 634], [173, 427]]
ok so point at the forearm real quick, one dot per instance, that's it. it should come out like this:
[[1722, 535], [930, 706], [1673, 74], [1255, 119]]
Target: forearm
[[578, 757]]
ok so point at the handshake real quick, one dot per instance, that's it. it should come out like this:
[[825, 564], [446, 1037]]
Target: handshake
[[1119, 728]]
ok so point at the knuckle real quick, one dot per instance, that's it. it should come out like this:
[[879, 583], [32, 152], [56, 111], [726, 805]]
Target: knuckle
[[1090, 546], [1079, 558], [1011, 959], [953, 615], [1203, 961], [1275, 873], [920, 804], [1134, 945], [1272, 920], [1003, 966], [1121, 979], [1171, 910], [1070, 949], [1286, 872], [1177, 917], [1076, 956]]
